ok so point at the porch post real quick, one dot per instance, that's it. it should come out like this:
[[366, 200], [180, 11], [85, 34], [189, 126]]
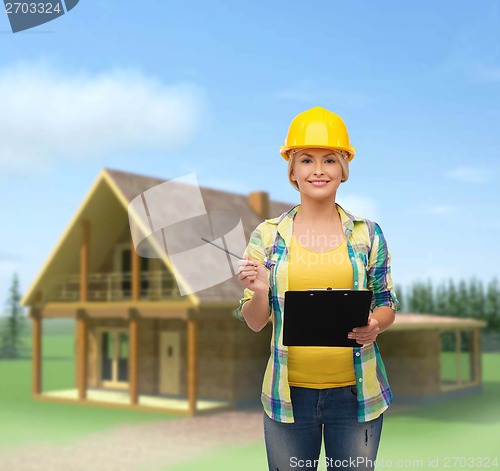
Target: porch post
[[37, 351], [134, 328], [136, 273], [81, 353], [192, 364], [134, 356], [475, 361], [458, 360], [81, 321], [84, 261], [35, 313]]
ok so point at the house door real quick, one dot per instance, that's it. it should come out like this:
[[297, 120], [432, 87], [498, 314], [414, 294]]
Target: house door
[[170, 364], [114, 358]]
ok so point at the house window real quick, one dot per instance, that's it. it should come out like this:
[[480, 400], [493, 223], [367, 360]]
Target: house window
[[457, 361], [114, 357], [123, 356], [107, 356], [125, 268]]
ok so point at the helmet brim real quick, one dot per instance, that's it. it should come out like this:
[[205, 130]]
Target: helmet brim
[[285, 149]]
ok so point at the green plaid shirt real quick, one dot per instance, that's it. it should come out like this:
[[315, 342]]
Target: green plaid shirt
[[269, 244]]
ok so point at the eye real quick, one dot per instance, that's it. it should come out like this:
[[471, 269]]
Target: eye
[[305, 160], [330, 160]]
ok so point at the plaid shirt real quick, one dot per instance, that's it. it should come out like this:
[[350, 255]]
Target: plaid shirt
[[269, 244]]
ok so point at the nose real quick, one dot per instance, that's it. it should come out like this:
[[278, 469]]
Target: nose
[[318, 168]]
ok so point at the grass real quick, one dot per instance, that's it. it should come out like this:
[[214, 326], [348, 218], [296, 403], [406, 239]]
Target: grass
[[439, 437], [25, 420], [449, 366], [464, 427]]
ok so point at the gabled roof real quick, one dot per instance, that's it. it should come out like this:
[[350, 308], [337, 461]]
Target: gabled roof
[[123, 187]]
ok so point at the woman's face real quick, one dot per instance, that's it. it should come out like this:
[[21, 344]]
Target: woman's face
[[317, 172]]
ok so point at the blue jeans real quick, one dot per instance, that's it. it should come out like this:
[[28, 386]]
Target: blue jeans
[[332, 412]]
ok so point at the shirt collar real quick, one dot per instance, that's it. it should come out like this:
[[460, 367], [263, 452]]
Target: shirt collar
[[285, 222]]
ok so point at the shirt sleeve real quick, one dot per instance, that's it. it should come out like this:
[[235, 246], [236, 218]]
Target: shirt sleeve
[[255, 251], [379, 278]]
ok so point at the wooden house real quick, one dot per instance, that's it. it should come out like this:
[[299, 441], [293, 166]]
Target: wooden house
[[139, 343], [430, 358]]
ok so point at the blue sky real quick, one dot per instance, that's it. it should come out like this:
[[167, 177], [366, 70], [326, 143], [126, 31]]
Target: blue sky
[[168, 89]]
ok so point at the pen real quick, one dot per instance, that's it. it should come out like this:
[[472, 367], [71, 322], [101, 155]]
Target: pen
[[222, 248]]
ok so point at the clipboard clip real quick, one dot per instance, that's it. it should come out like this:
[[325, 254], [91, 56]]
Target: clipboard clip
[[326, 289], [312, 290]]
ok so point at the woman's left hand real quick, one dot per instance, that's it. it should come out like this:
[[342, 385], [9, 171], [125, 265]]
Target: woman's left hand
[[367, 333]]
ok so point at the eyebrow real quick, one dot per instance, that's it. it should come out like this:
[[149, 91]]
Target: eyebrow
[[309, 155]]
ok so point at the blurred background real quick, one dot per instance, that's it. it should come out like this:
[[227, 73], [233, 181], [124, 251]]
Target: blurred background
[[155, 91]]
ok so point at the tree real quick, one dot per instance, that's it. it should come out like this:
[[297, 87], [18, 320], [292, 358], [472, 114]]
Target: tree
[[429, 297], [453, 308], [492, 305], [441, 303], [476, 299], [462, 300], [414, 298], [420, 298], [10, 335]]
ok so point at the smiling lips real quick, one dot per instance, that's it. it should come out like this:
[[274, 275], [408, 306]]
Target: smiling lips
[[318, 182]]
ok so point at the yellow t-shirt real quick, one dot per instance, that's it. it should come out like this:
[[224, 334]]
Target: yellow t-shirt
[[320, 367]]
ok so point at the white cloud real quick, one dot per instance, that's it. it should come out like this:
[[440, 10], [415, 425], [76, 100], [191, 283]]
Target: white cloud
[[47, 114], [470, 174]]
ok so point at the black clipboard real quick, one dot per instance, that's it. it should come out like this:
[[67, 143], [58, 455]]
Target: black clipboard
[[323, 317]]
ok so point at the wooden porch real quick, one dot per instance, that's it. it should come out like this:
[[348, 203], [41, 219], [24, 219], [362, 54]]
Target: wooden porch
[[145, 402], [83, 310]]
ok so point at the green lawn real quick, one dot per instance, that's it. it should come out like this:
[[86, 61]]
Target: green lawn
[[446, 433], [449, 366], [25, 420], [466, 427]]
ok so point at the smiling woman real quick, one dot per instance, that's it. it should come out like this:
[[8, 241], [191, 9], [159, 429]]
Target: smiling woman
[[314, 394], [333, 155], [319, 168]]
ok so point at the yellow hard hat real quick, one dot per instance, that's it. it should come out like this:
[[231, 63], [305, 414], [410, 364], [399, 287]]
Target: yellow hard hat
[[317, 128]]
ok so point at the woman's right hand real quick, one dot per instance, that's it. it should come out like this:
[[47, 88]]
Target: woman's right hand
[[253, 275]]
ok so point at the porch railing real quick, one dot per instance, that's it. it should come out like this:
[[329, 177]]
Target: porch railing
[[114, 286]]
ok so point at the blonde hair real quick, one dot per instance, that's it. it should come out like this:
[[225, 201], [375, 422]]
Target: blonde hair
[[342, 156]]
